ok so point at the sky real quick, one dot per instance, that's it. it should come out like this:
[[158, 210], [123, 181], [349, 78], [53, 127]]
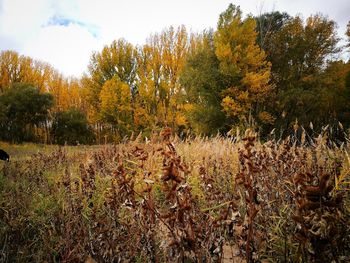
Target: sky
[[64, 33]]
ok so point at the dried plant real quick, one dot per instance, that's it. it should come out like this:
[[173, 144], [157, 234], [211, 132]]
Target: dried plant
[[164, 200]]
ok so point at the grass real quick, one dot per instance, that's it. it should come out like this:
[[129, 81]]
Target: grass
[[172, 201]]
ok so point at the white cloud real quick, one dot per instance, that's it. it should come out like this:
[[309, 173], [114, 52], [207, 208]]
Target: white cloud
[[21, 20], [67, 48], [25, 27]]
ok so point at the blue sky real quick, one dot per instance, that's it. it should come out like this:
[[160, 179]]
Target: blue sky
[[64, 33]]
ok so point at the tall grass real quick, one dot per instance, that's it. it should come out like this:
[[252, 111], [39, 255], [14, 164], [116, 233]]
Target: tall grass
[[167, 200]]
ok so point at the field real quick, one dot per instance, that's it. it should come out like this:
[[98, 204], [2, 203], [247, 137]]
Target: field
[[167, 200]]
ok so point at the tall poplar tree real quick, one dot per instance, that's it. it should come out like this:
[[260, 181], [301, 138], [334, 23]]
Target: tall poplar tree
[[242, 60], [116, 61]]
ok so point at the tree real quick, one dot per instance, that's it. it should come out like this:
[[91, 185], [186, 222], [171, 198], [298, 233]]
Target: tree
[[299, 51], [117, 60], [21, 69], [23, 110], [267, 25], [334, 95], [9, 66], [116, 108], [227, 77], [161, 61], [203, 83], [71, 127], [245, 64]]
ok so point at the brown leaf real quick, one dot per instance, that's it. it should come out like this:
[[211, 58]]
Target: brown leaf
[[238, 229], [89, 259]]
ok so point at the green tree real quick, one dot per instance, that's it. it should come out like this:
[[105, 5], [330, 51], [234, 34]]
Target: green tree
[[203, 83], [334, 98], [71, 127], [267, 25], [299, 52], [23, 110]]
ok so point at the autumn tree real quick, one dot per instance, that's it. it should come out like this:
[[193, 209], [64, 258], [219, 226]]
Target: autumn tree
[[21, 69], [267, 71], [68, 92], [15, 68], [227, 77], [116, 107], [9, 67], [74, 96], [161, 61], [150, 91], [117, 60], [242, 60]]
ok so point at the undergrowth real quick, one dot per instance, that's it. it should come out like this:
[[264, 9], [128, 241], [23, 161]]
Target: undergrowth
[[167, 200]]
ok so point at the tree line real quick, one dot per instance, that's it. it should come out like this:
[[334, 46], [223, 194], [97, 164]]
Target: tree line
[[268, 72]]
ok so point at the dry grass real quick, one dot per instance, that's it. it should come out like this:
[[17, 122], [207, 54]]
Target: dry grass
[[165, 200]]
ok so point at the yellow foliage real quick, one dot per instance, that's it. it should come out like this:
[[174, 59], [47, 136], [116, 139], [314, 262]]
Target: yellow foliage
[[231, 107], [115, 99], [141, 118], [161, 61], [180, 119], [242, 59], [188, 107], [266, 117]]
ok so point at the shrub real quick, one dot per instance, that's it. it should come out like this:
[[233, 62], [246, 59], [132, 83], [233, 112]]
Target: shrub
[[71, 127]]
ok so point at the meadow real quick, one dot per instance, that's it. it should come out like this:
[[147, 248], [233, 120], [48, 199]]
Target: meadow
[[167, 200]]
